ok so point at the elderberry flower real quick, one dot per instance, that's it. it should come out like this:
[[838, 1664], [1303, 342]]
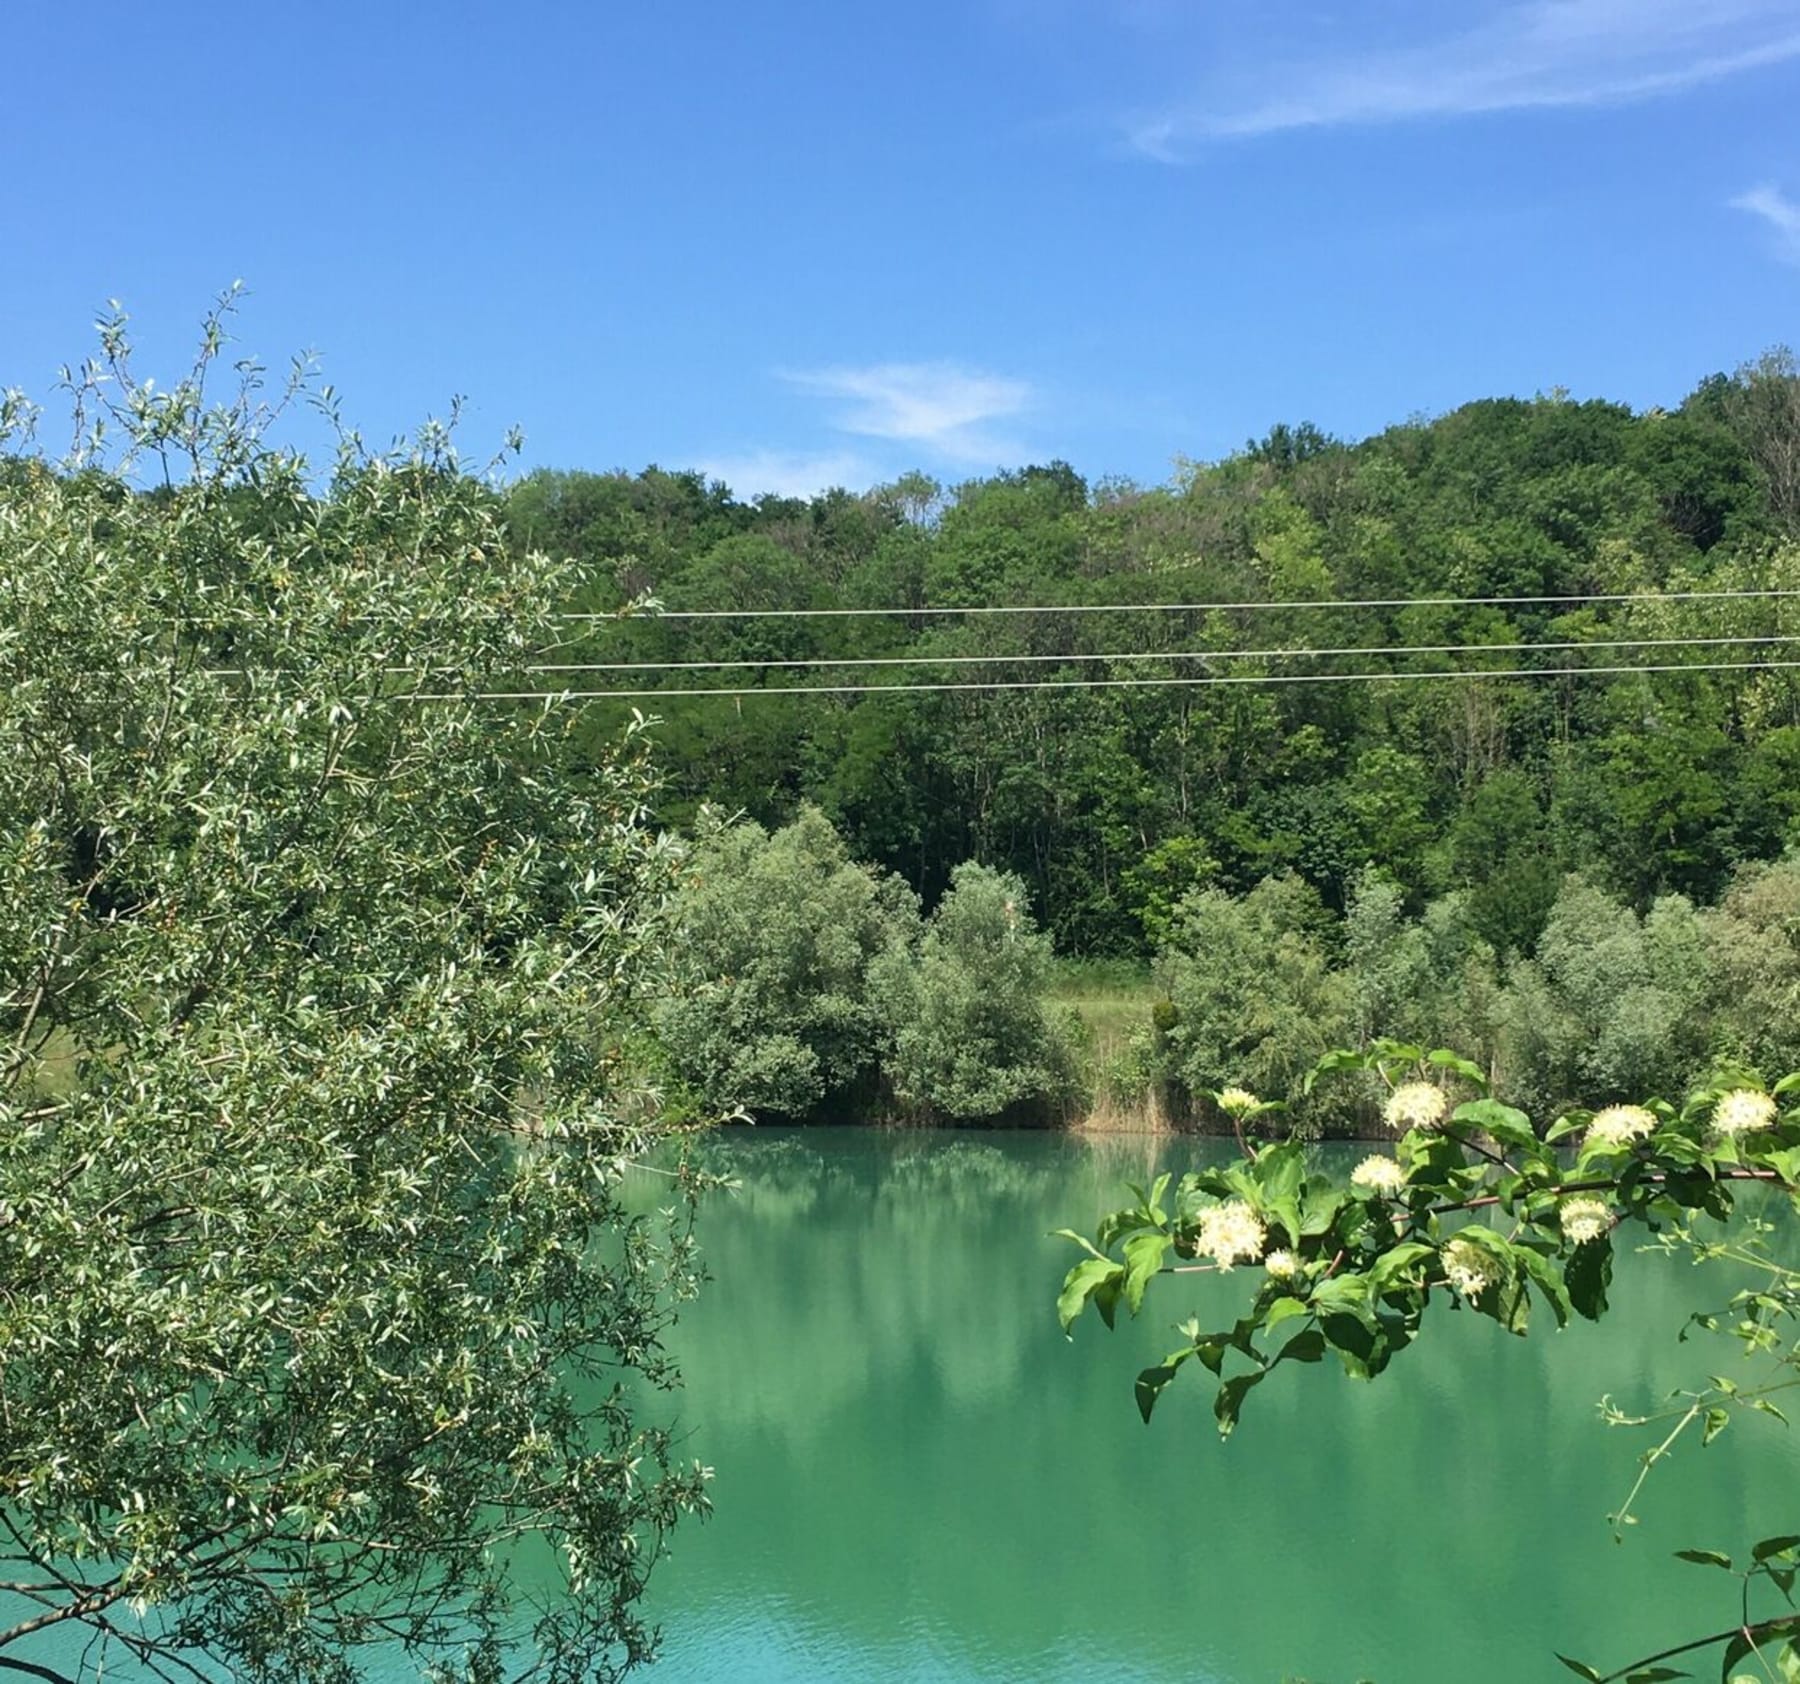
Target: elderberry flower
[[1584, 1220], [1620, 1125], [1743, 1111], [1230, 1233], [1379, 1175], [1281, 1265], [1469, 1269], [1237, 1102], [1415, 1105]]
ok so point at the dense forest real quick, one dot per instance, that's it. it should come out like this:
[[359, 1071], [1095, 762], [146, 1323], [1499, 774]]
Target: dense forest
[[1113, 803]]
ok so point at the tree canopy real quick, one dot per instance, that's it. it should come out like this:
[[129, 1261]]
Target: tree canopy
[[320, 1297], [1110, 802]]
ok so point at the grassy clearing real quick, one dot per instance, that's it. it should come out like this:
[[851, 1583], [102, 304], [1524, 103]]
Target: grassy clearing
[[1112, 997]]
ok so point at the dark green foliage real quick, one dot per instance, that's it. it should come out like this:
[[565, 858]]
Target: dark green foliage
[[1255, 997], [1112, 803]]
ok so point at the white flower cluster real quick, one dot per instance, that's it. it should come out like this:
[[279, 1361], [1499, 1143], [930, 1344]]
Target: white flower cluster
[[1469, 1269], [1379, 1175], [1237, 1102], [1620, 1125], [1415, 1105], [1584, 1220], [1743, 1111], [1230, 1233], [1281, 1265]]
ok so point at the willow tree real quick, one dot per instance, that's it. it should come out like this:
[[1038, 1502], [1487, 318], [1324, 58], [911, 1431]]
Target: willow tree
[[325, 1323]]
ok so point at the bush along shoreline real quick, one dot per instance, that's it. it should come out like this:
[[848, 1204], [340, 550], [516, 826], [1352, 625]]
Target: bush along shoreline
[[818, 990]]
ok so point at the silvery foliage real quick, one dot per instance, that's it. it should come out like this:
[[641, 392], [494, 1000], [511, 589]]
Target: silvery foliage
[[322, 1308]]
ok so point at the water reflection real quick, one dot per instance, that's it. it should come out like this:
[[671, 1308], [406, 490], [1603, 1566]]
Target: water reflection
[[920, 1479]]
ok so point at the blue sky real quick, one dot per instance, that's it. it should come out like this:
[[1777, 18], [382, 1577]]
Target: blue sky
[[796, 242]]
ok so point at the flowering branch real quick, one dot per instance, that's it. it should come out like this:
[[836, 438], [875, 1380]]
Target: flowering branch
[[1352, 1268]]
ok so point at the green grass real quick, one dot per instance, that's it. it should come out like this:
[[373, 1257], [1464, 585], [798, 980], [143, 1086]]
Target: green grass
[[1111, 996]]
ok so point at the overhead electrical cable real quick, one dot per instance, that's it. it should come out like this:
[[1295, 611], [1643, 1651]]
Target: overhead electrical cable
[[1284, 654], [1212, 679], [1317, 604]]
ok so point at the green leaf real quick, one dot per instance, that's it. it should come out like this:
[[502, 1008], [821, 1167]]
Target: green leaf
[[1655, 1675], [1358, 1344], [1106, 1296], [1151, 1382], [1705, 1558], [1775, 1546], [1080, 1284], [1544, 1276], [1786, 1164], [1320, 1201], [1343, 1059], [1396, 1261], [1230, 1399], [1284, 1309], [1581, 1669], [1470, 1072], [1305, 1346], [1345, 1295], [1144, 1254], [1279, 1172], [1501, 1122], [1587, 1277], [1571, 1123], [1717, 1420]]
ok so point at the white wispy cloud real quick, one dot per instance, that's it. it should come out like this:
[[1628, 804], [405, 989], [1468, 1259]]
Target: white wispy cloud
[[942, 408], [1524, 54], [788, 473], [1781, 213]]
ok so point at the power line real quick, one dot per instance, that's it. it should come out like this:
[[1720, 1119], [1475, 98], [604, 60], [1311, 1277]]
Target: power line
[[1285, 654], [625, 614], [1097, 683]]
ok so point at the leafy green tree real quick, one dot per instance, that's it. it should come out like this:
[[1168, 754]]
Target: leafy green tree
[[1753, 958], [973, 1038], [1612, 1004], [323, 1004], [1653, 802], [1499, 849], [1158, 883], [1256, 999], [783, 929], [1761, 405]]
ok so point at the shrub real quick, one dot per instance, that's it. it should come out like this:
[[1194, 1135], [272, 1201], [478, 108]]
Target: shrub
[[972, 1036], [781, 930], [1256, 999]]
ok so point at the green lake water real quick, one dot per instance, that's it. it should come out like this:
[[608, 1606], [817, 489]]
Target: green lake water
[[919, 1479]]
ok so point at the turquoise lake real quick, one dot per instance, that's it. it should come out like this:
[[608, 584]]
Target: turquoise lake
[[919, 1479]]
